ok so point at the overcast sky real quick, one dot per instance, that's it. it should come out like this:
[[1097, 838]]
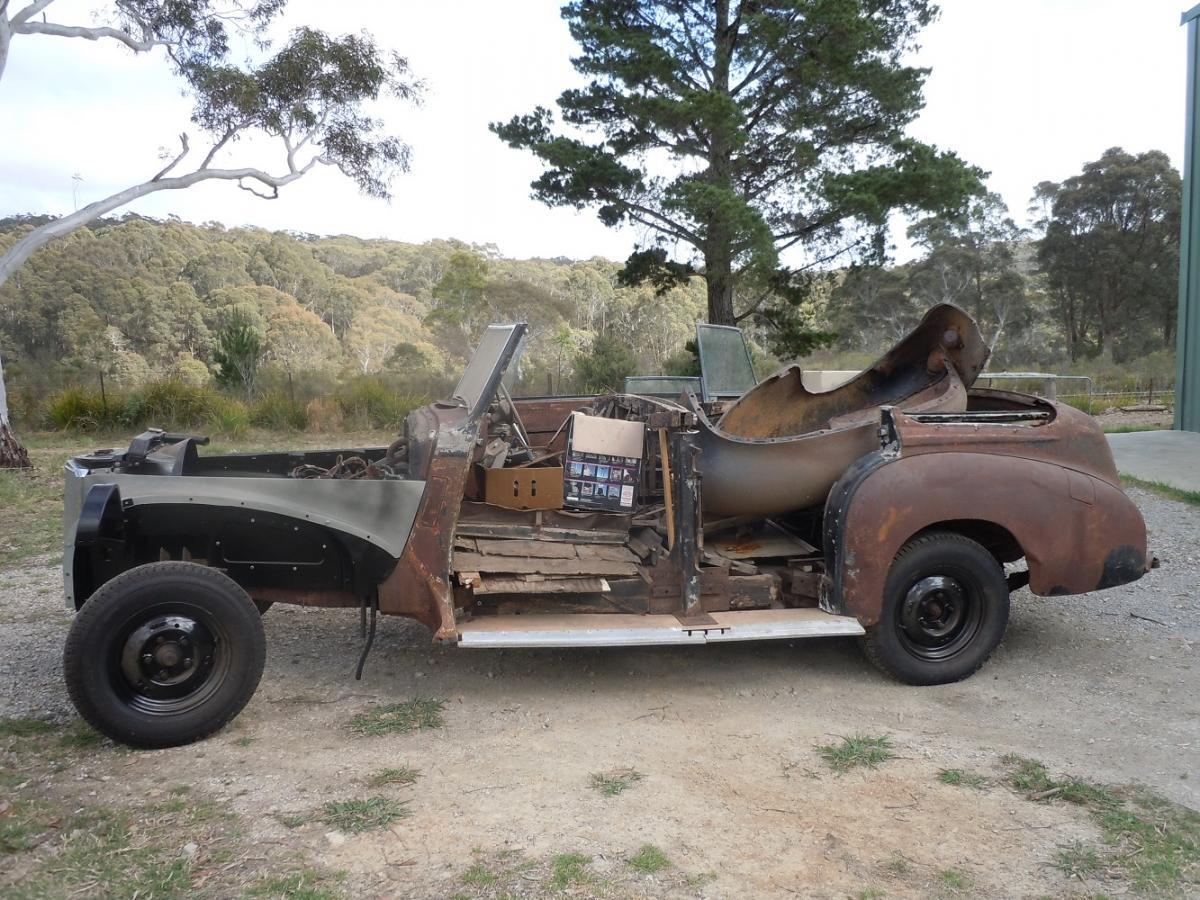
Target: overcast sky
[[1026, 89]]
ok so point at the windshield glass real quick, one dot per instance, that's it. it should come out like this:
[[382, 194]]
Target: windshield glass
[[724, 361], [498, 352]]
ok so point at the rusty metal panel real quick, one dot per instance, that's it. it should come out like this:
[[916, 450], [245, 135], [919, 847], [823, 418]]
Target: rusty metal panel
[[1071, 546], [781, 447]]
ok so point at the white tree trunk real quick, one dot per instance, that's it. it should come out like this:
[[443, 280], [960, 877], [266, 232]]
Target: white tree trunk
[[12, 454]]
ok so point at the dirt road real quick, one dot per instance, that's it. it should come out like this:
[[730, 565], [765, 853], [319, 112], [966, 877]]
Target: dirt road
[[732, 790]]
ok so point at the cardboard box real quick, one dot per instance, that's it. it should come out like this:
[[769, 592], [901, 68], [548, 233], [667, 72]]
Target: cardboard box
[[540, 488], [603, 463]]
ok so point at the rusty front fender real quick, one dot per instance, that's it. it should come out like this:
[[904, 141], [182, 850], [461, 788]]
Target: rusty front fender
[[1076, 532]]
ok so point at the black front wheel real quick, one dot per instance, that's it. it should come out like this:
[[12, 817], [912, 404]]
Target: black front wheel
[[164, 654], [945, 608]]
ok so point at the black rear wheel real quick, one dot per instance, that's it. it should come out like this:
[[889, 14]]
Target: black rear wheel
[[945, 608], [164, 654]]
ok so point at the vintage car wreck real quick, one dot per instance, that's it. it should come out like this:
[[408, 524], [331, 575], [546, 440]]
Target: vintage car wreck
[[897, 507]]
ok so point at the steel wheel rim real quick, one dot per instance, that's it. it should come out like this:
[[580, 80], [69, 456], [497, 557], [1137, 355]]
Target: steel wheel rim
[[169, 659], [939, 616]]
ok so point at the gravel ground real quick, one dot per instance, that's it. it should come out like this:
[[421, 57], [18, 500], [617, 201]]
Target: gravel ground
[[1103, 686]]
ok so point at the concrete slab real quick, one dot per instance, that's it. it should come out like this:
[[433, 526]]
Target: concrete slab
[[1168, 457]]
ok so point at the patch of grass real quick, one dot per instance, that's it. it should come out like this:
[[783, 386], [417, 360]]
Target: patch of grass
[[612, 783], [479, 876], [955, 880], [399, 775], [1130, 429], [364, 815], [293, 820], [869, 893], [81, 736], [857, 750], [307, 884], [960, 778], [1163, 490], [243, 742], [402, 718], [105, 852], [897, 865], [32, 504], [1030, 776], [1078, 861], [23, 726], [1155, 843], [568, 870], [649, 860]]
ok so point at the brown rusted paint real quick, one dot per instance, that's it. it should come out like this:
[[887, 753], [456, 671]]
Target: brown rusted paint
[[419, 586], [304, 597], [1052, 486]]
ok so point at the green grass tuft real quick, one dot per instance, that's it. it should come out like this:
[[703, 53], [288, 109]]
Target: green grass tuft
[[649, 860], [857, 750], [955, 880], [401, 718], [479, 876], [356, 816], [568, 870], [399, 775], [307, 884], [612, 783], [1078, 861], [960, 778]]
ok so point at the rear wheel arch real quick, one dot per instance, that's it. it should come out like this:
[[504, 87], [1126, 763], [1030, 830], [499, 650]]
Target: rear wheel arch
[[994, 537]]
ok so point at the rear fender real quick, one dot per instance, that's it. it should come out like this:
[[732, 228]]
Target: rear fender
[[1076, 532]]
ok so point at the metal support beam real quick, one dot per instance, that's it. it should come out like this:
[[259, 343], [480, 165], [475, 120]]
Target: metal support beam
[[1187, 373]]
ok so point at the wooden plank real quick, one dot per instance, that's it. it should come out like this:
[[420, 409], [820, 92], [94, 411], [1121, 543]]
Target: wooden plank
[[541, 585], [615, 554], [541, 549], [522, 565], [666, 469], [531, 532]]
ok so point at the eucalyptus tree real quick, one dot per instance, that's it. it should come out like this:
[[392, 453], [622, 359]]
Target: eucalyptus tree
[[734, 131], [309, 95]]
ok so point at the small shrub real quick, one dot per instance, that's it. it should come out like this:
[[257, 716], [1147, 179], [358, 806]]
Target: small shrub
[[277, 412], [230, 418], [412, 715], [80, 409], [173, 405], [370, 401], [324, 414]]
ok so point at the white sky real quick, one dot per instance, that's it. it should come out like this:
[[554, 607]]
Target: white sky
[[1026, 89]]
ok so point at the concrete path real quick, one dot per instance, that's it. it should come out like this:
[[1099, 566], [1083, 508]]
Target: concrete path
[[1168, 457]]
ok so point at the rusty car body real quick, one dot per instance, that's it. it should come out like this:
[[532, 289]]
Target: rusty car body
[[896, 508]]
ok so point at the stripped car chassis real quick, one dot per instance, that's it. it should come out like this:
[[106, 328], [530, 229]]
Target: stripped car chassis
[[889, 512]]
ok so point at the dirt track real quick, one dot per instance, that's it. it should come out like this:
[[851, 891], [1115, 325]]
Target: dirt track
[[734, 792]]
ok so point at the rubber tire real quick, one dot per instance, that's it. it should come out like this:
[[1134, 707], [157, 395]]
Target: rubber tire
[[97, 630], [939, 553]]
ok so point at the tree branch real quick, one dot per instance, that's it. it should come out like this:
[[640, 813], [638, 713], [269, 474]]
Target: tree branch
[[183, 140], [28, 12], [25, 247], [91, 34]]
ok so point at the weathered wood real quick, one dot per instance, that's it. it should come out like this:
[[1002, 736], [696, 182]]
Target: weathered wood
[[532, 532], [543, 549], [753, 591], [541, 585], [715, 558], [665, 456], [476, 562]]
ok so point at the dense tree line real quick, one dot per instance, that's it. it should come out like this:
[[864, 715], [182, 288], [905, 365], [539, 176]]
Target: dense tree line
[[127, 301]]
